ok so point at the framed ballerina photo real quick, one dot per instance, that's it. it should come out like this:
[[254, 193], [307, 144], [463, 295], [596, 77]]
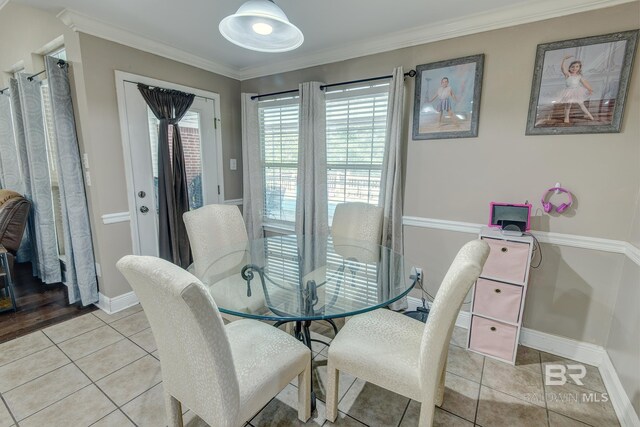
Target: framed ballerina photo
[[447, 100], [580, 86]]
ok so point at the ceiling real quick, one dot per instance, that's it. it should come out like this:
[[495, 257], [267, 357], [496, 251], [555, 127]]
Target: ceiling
[[333, 29]]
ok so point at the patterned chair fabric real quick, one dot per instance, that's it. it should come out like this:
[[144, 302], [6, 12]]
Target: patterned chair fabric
[[402, 354], [224, 374], [357, 231], [219, 246]]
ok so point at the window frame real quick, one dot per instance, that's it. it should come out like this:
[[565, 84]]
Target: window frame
[[344, 92]]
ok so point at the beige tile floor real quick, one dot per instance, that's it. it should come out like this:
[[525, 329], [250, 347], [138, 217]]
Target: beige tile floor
[[103, 370]]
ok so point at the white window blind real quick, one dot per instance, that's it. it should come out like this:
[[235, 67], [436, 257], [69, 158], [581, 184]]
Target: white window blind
[[356, 129], [278, 120]]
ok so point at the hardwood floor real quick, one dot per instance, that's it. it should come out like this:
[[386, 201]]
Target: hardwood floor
[[39, 305]]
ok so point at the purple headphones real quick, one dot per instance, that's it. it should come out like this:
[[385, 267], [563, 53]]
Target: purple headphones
[[548, 206]]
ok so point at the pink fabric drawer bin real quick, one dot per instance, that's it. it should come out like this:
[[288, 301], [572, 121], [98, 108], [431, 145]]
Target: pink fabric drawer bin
[[498, 300], [493, 338], [507, 260]]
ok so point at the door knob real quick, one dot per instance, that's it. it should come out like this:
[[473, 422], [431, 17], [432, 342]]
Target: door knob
[[144, 209], [141, 194]]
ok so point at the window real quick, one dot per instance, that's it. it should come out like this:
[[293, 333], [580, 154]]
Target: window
[[191, 148], [356, 130], [278, 120], [59, 54], [52, 148]]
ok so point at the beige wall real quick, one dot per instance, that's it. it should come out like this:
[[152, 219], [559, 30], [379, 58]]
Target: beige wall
[[623, 344], [93, 62], [456, 179], [102, 142], [23, 31], [573, 294]]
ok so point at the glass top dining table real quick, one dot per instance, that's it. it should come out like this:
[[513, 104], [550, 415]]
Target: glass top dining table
[[290, 279]]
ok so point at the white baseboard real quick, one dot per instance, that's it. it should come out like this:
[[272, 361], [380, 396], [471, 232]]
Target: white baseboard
[[590, 354], [579, 351], [115, 304], [619, 398]]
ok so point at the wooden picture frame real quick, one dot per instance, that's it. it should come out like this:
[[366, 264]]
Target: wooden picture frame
[[580, 86], [447, 98]]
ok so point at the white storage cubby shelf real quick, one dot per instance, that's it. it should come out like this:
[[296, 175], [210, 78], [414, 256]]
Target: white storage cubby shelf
[[498, 297]]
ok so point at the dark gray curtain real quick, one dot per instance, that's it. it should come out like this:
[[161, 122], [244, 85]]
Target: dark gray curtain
[[169, 106]]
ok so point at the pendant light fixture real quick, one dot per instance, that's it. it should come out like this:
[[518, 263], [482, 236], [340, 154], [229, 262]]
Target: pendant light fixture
[[262, 26]]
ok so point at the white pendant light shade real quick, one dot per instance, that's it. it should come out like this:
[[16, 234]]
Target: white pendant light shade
[[262, 26]]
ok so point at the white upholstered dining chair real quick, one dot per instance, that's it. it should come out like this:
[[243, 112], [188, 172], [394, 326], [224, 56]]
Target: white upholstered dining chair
[[356, 231], [224, 374], [399, 353], [219, 244]]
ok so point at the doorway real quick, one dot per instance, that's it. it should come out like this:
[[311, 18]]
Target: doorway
[[202, 145]]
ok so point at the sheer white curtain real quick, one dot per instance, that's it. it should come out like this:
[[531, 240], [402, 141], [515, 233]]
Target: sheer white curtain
[[311, 201], [391, 183], [252, 170]]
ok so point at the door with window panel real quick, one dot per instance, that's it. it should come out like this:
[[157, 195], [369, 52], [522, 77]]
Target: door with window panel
[[197, 129]]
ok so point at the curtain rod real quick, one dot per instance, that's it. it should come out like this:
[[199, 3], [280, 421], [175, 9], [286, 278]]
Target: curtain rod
[[152, 86], [411, 73], [61, 63]]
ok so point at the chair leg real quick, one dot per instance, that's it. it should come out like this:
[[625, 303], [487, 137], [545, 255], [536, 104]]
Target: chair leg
[[304, 393], [333, 375], [427, 411], [174, 411], [440, 391]]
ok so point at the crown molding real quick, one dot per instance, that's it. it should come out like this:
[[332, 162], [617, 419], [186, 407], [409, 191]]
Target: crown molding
[[82, 23], [477, 23], [472, 24]]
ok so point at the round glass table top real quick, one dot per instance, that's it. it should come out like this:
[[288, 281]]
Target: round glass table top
[[306, 278]]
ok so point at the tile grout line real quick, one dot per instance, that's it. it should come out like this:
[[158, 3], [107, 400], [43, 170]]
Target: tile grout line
[[135, 343], [102, 391], [40, 376], [544, 389], [456, 415], [75, 336], [63, 397], [94, 351], [544, 395], [406, 408], [100, 419], [48, 406], [6, 405], [28, 354], [83, 373], [475, 417]]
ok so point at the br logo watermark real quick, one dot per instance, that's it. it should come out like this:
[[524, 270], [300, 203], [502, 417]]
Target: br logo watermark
[[557, 374]]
